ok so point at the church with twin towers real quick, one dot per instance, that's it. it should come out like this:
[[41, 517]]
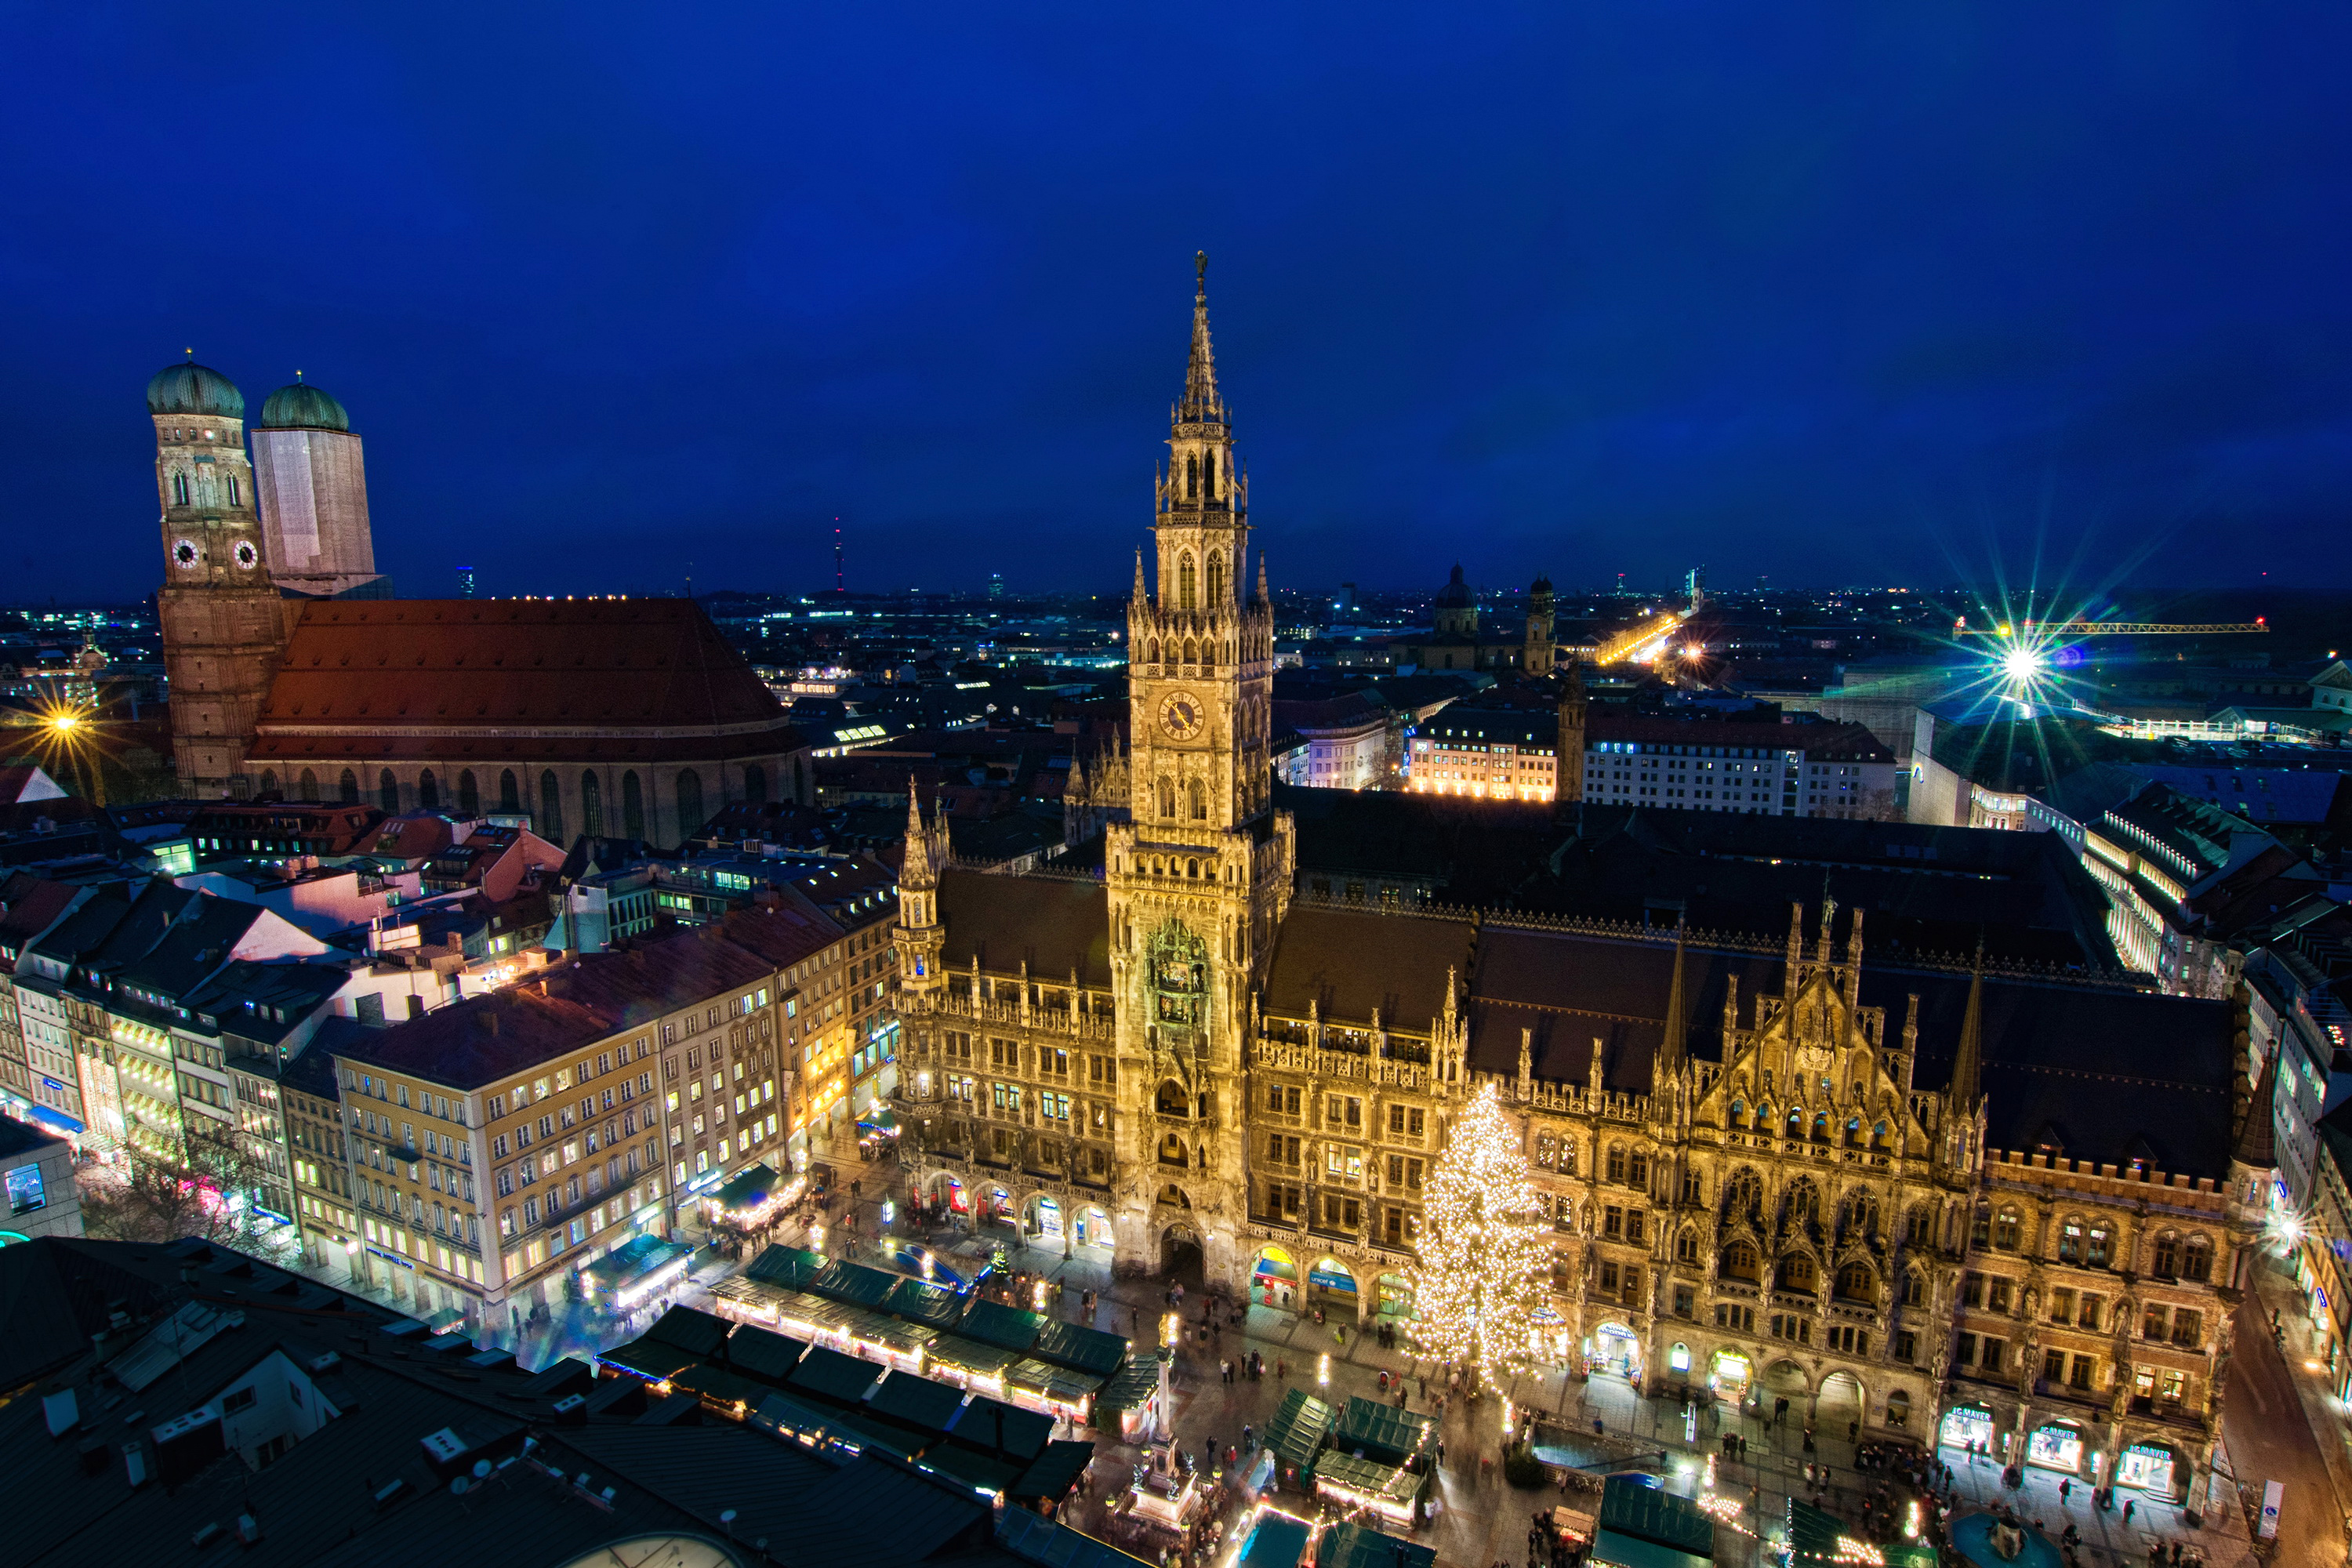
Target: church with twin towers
[[296, 674]]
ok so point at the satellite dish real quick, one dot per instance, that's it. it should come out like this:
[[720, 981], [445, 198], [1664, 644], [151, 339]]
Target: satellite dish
[[481, 1469], [457, 1485]]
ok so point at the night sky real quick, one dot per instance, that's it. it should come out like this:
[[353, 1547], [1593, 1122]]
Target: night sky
[[1856, 294]]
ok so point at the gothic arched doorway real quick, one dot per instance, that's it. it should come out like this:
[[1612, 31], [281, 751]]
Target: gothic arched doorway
[[1180, 1261], [1838, 1408]]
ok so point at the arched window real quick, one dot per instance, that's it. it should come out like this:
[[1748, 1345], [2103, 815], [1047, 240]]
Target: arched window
[[1821, 1127], [1878, 1137], [180, 488], [633, 804], [1191, 652], [1803, 1205], [1616, 1162], [510, 793], [1856, 1283], [1172, 1151], [1686, 1246], [2070, 1239], [469, 794], [1209, 652], [755, 784], [2005, 1227], [2096, 1248], [2165, 1264], [1739, 1262], [387, 793], [428, 791], [1191, 480], [1186, 599], [592, 804], [1853, 1131], [1797, 1272], [347, 789], [1193, 870], [689, 803], [1171, 1099], [308, 785], [1919, 1227], [1217, 578], [2197, 1259], [1167, 799], [1199, 802], [550, 807], [1914, 1288], [1209, 475], [1739, 1112], [1151, 651], [1796, 1123], [269, 783], [1744, 1194], [1898, 1408]]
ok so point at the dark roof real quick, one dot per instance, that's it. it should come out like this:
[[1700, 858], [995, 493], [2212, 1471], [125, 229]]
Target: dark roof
[[610, 680], [994, 1323], [827, 1373], [1381, 1431], [22, 1138], [1080, 1348], [790, 1267], [184, 386], [1349, 964], [300, 405], [763, 1354], [691, 1329], [1052, 1472], [1055, 925]]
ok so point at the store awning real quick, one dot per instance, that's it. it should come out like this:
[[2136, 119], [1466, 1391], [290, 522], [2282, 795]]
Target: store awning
[[794, 1268], [750, 1188], [1009, 1328], [1381, 1431], [854, 1283], [1079, 1349], [1367, 1477]]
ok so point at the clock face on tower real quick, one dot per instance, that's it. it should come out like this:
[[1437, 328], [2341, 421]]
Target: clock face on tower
[[185, 554], [1181, 715]]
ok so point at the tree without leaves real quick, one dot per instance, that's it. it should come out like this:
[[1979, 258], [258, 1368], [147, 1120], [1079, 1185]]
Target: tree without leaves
[[163, 1200]]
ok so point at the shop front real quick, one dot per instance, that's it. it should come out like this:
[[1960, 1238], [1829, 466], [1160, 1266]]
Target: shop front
[[996, 1206], [2149, 1468], [1275, 1281], [1551, 1335], [2056, 1446], [1045, 1219], [1392, 1304], [1615, 1348], [1968, 1427], [1730, 1373], [1331, 1286], [1094, 1228]]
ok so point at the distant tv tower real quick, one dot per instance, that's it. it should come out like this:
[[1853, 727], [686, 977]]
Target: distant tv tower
[[840, 583]]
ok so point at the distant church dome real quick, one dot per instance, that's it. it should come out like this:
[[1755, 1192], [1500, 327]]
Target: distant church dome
[[188, 387], [1542, 583], [1456, 594], [301, 406]]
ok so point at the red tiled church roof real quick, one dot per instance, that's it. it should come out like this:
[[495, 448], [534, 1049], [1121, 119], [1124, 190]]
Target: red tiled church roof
[[646, 678]]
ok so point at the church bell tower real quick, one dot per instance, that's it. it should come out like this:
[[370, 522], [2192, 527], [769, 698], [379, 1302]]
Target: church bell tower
[[1201, 874], [221, 619]]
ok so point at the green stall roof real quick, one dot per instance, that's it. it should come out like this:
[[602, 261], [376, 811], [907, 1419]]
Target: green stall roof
[[971, 1357], [1079, 1349], [915, 1401], [918, 1302], [792, 1267], [1381, 1431], [763, 1354], [1129, 1388], [1621, 1551], [691, 1329], [1351, 1545], [829, 1374], [651, 1359], [1297, 1429], [1055, 1382], [1388, 1483], [1054, 1472], [994, 1323], [1656, 1516], [854, 1283]]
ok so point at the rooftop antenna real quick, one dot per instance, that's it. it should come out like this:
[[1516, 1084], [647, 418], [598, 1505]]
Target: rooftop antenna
[[840, 583]]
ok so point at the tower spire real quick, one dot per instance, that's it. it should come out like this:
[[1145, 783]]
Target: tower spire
[[1967, 1065], [1670, 1051], [1202, 406]]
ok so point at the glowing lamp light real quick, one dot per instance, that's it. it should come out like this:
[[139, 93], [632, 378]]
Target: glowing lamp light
[[2021, 664], [1323, 1369]]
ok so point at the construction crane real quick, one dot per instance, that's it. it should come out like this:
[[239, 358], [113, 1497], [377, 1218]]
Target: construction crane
[[1960, 629]]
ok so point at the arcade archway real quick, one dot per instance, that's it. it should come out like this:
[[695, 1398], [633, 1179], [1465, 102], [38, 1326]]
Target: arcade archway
[[1274, 1280]]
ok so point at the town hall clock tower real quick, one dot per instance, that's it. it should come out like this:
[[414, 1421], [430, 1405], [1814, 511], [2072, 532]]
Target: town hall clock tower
[[1200, 876]]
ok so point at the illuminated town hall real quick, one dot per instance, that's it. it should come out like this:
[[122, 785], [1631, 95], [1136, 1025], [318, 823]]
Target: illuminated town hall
[[1898, 1193]]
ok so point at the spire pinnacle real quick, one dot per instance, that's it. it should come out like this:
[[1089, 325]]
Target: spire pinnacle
[[1967, 1065], [1202, 406], [1670, 1050], [2254, 1146]]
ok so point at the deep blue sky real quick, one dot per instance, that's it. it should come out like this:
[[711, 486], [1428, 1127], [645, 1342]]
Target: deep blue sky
[[1855, 293]]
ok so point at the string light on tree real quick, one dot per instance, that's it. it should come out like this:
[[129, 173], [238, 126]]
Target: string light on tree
[[1485, 1265]]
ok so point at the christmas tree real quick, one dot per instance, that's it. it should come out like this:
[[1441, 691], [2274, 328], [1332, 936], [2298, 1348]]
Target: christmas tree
[[1484, 1265]]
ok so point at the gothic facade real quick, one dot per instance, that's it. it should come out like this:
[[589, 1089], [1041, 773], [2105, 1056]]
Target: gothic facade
[[1918, 1198]]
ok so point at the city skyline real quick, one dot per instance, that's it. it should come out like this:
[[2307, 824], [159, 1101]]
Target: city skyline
[[1605, 299]]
